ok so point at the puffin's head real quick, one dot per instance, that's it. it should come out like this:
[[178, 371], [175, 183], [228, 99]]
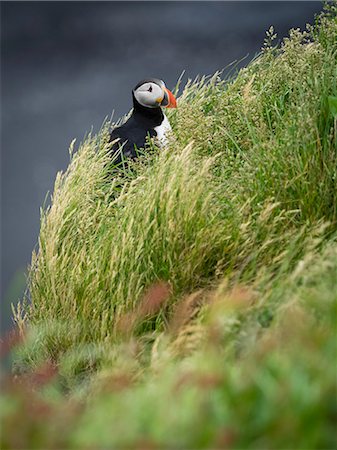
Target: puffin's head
[[152, 93]]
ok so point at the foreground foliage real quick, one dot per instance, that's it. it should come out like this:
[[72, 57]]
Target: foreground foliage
[[189, 300]]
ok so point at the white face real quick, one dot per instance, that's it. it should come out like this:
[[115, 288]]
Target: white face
[[150, 94]]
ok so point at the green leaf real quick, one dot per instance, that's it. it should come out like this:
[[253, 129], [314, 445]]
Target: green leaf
[[332, 105]]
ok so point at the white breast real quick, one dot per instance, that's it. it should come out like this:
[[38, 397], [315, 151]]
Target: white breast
[[162, 131]]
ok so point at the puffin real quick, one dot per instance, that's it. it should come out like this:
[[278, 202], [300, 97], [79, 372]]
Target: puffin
[[147, 120]]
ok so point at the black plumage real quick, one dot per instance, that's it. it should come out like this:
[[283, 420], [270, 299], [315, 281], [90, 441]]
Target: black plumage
[[132, 135]]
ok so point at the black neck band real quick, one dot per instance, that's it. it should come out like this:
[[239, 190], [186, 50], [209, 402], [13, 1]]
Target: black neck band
[[154, 115]]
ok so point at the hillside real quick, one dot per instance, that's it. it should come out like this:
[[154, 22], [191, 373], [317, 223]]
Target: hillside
[[188, 300]]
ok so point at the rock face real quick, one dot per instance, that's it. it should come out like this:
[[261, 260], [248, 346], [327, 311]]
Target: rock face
[[65, 66]]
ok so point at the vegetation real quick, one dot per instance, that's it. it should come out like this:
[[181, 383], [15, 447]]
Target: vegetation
[[188, 300]]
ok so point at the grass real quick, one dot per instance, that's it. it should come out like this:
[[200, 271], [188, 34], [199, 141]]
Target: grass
[[188, 299]]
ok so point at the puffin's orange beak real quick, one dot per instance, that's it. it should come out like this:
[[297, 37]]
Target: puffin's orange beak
[[172, 102]]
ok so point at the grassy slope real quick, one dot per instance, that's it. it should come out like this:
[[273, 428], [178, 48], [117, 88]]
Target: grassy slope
[[234, 227]]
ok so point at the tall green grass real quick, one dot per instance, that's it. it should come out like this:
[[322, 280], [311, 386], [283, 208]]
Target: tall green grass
[[190, 296], [252, 162]]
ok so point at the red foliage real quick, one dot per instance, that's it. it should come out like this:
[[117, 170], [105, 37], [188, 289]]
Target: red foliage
[[13, 338]]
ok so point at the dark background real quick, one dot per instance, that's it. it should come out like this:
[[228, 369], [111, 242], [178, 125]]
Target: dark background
[[66, 65]]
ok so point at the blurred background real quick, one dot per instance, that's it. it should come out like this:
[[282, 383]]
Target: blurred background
[[65, 66]]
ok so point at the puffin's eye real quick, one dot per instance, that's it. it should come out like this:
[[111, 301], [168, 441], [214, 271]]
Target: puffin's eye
[[150, 89]]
